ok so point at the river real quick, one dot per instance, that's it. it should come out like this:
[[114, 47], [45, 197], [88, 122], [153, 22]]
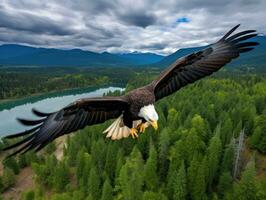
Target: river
[[47, 103]]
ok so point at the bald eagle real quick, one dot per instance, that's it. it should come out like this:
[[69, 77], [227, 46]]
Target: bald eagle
[[134, 111]]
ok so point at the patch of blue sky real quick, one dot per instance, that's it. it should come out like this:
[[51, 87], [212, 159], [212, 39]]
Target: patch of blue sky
[[183, 20]]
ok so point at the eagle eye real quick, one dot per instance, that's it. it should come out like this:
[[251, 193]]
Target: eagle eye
[[150, 120]]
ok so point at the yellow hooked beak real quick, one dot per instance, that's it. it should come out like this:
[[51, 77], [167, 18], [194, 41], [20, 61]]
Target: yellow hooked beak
[[154, 124]]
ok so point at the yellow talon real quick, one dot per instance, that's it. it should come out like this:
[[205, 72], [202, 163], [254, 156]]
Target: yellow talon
[[134, 132], [141, 127]]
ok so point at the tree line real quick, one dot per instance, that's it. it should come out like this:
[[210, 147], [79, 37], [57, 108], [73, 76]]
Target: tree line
[[22, 82]]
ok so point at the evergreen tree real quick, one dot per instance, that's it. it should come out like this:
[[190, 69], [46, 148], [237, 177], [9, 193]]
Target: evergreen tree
[[199, 125], [8, 177], [176, 158], [256, 137], [173, 122], [61, 176], [72, 151], [211, 117], [107, 191], [246, 189], [180, 184], [98, 153], [119, 164], [260, 137], [22, 162], [248, 116], [131, 177], [228, 158], [12, 164], [213, 158], [163, 153], [238, 128], [261, 192], [225, 183], [226, 131], [45, 171], [192, 174], [94, 183], [86, 170], [80, 164], [110, 161], [150, 170], [236, 117], [199, 188], [192, 144]]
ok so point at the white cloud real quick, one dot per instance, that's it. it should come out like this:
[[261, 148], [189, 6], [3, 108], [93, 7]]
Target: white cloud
[[125, 25]]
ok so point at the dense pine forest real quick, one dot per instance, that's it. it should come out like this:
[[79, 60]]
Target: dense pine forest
[[211, 145], [17, 82]]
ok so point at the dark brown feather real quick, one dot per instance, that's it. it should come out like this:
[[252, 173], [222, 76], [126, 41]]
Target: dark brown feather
[[197, 65], [71, 118]]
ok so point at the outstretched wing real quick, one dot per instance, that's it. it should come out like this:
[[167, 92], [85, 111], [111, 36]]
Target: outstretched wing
[[197, 65], [71, 118]]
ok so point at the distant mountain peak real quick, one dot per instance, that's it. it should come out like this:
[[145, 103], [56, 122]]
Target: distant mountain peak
[[16, 54]]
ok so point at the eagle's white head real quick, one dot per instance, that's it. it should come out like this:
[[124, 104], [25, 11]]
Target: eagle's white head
[[150, 115]]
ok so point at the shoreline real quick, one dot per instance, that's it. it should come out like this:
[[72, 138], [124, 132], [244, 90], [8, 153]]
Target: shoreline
[[40, 94], [2, 101]]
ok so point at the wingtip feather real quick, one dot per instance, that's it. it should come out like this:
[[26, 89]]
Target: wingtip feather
[[28, 122], [230, 32], [39, 113], [21, 133]]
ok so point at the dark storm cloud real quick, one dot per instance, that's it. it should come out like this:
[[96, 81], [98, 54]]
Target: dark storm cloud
[[8, 36], [153, 46], [99, 30], [125, 25], [32, 23], [92, 7], [138, 19]]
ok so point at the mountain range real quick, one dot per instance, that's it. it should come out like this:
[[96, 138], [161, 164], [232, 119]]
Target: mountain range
[[19, 55], [13, 54], [256, 57]]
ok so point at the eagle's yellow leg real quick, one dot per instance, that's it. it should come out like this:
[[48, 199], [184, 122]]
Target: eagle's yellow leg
[[141, 127], [134, 132]]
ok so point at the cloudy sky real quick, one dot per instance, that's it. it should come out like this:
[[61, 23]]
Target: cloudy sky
[[161, 26]]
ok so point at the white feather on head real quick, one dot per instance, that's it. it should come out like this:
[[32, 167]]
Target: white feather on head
[[148, 113]]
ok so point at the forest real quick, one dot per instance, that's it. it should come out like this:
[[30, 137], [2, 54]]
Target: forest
[[18, 82], [211, 145]]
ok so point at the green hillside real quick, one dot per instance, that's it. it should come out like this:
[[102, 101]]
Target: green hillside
[[191, 156]]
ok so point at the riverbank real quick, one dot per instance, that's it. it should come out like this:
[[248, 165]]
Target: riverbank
[[54, 93]]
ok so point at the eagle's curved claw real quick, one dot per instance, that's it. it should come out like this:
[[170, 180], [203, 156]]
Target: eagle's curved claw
[[134, 132], [141, 127]]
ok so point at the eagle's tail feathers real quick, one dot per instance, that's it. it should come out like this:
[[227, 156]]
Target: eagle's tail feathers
[[116, 130]]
